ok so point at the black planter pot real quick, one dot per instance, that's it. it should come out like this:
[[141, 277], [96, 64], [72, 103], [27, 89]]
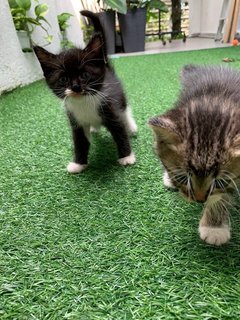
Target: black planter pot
[[107, 19], [132, 27]]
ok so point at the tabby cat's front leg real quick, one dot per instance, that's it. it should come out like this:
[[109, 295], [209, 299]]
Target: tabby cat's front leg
[[214, 226]]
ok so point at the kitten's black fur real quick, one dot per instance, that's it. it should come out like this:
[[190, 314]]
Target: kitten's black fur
[[92, 93]]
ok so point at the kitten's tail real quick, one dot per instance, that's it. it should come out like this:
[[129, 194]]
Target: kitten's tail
[[98, 28], [94, 19]]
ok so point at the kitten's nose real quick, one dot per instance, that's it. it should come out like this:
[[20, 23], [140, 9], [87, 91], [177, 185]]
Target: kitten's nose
[[200, 196], [76, 88]]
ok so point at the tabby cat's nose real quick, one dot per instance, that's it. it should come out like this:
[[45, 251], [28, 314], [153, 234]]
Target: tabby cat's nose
[[200, 196], [76, 88]]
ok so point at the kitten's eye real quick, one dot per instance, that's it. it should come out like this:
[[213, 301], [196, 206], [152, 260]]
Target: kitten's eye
[[86, 75], [63, 79], [221, 183], [182, 179]]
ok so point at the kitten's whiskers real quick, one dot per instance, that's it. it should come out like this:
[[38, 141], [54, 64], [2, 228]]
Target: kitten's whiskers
[[228, 176]]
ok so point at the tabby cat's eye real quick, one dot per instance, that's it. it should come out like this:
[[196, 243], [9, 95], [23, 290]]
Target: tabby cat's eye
[[221, 183]]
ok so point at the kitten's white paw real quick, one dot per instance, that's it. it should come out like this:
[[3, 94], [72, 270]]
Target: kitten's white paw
[[133, 127], [94, 129], [74, 167], [167, 181], [127, 160], [216, 236]]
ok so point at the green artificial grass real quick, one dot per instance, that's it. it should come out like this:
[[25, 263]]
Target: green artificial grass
[[112, 242]]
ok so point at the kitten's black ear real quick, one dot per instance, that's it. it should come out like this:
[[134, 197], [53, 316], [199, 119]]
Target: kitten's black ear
[[95, 49], [46, 60], [165, 130]]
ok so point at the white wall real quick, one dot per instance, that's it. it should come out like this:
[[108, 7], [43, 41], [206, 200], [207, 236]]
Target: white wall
[[18, 68], [204, 16]]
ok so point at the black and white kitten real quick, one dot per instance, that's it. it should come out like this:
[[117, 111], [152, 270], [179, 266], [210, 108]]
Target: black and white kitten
[[92, 95]]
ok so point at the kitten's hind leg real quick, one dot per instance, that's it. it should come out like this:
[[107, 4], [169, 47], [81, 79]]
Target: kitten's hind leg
[[81, 147], [214, 226], [74, 167], [129, 120]]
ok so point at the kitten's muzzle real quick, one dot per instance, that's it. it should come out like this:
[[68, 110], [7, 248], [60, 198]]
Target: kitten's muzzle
[[200, 196], [76, 88]]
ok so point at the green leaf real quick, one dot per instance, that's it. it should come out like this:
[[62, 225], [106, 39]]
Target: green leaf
[[18, 11], [63, 17], [158, 4], [49, 38], [43, 19], [33, 21], [25, 4], [63, 26], [12, 4], [41, 10], [62, 20], [66, 44], [118, 5]]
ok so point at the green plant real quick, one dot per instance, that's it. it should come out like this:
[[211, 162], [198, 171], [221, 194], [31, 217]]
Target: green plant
[[62, 20], [150, 4], [24, 22], [117, 5], [121, 6], [154, 5], [87, 32], [63, 25]]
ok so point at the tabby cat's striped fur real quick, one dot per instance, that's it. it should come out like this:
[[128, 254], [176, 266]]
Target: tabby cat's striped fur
[[198, 143]]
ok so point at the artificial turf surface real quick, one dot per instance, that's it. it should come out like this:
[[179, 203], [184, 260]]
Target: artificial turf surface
[[112, 242]]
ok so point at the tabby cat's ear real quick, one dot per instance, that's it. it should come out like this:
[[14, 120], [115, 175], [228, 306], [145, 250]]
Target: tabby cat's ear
[[46, 59], [95, 49], [165, 130]]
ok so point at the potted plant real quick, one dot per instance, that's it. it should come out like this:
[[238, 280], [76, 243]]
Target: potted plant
[[25, 24], [107, 17], [63, 25], [133, 23]]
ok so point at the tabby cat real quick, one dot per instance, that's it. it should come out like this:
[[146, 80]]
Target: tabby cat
[[198, 143], [92, 95]]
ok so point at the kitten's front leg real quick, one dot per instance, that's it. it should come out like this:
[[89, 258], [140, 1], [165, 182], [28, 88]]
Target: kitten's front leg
[[120, 136], [81, 148], [214, 227]]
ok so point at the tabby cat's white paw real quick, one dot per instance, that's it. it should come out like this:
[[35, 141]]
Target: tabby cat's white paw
[[127, 160], [167, 181], [215, 236], [74, 167]]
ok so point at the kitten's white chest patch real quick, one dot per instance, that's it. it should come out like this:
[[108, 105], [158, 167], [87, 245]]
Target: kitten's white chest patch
[[85, 110]]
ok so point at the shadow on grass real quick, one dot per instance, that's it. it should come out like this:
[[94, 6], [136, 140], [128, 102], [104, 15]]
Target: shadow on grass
[[103, 166]]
